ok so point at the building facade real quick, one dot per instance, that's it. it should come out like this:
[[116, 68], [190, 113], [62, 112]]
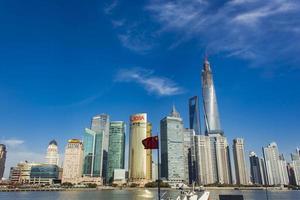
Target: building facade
[[172, 148], [73, 162], [137, 154], [220, 155], [52, 156], [2, 159], [241, 172], [256, 170], [275, 171], [44, 174], [295, 164], [116, 148], [149, 154], [100, 124], [189, 155], [203, 160], [211, 113], [194, 115]]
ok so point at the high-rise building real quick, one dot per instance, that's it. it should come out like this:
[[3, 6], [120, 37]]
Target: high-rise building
[[241, 172], [116, 148], [203, 160], [275, 165], [296, 167], [221, 164], [137, 154], [2, 159], [100, 124], [194, 115], [172, 148], [52, 156], [189, 155], [256, 169], [283, 170], [149, 154], [211, 113], [73, 162]]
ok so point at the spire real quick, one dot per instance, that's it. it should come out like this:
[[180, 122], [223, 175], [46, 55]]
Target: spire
[[206, 65], [174, 112]]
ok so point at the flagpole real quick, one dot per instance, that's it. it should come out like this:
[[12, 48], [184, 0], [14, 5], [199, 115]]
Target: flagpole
[[158, 174]]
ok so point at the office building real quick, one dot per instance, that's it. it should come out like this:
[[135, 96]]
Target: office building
[[241, 172], [256, 169], [52, 156], [137, 154], [21, 173], [100, 124], [44, 174], [73, 162], [2, 159], [211, 113], [172, 148], [194, 115], [203, 160], [189, 155], [116, 148]]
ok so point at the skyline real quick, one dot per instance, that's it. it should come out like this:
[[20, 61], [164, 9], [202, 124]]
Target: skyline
[[58, 83]]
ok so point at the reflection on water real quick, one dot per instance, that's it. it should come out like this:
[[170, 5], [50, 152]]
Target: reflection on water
[[140, 194]]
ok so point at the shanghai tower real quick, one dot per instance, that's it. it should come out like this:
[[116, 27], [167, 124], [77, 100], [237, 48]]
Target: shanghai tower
[[211, 113]]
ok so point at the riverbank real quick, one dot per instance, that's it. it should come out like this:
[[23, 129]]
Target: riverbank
[[43, 189]]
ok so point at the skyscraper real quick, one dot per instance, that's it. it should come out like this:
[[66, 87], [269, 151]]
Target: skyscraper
[[172, 148], [240, 162], [221, 164], [52, 156], [194, 115], [73, 162], [137, 153], [189, 155], [296, 166], [204, 160], [211, 113], [100, 124], [2, 159], [116, 148], [275, 171], [256, 170]]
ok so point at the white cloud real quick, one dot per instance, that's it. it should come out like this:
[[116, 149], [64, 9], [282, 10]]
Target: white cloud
[[158, 85], [12, 142], [247, 29], [110, 7]]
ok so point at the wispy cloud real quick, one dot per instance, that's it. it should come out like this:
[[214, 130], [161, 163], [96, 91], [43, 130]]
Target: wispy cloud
[[110, 7], [248, 29], [12, 142], [153, 84]]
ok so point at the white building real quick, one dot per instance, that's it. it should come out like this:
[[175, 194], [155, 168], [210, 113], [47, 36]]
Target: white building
[[241, 172], [52, 156], [275, 165], [119, 176], [296, 167], [73, 162]]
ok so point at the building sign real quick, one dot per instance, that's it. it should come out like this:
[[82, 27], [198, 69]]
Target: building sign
[[138, 118]]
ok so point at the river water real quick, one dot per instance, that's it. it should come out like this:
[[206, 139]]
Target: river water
[[140, 194]]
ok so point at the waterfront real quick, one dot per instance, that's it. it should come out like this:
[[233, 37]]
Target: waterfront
[[140, 194]]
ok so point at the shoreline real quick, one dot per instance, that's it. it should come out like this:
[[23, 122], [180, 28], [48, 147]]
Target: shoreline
[[277, 189]]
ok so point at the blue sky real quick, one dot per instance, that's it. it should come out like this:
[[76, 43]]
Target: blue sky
[[61, 62]]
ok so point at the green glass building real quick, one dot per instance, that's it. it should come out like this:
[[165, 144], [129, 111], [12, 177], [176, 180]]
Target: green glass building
[[116, 148]]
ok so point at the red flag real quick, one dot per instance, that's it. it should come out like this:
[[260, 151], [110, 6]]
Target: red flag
[[151, 142]]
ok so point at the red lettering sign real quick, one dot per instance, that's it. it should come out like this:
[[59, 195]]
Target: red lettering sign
[[137, 118]]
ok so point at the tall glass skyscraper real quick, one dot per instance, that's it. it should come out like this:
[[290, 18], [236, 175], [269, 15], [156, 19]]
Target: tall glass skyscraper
[[172, 148], [100, 125], [256, 169], [194, 115], [116, 148], [211, 113]]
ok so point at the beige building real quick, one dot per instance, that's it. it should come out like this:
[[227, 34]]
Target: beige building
[[139, 171], [241, 172], [52, 156], [203, 160], [21, 173], [73, 162]]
